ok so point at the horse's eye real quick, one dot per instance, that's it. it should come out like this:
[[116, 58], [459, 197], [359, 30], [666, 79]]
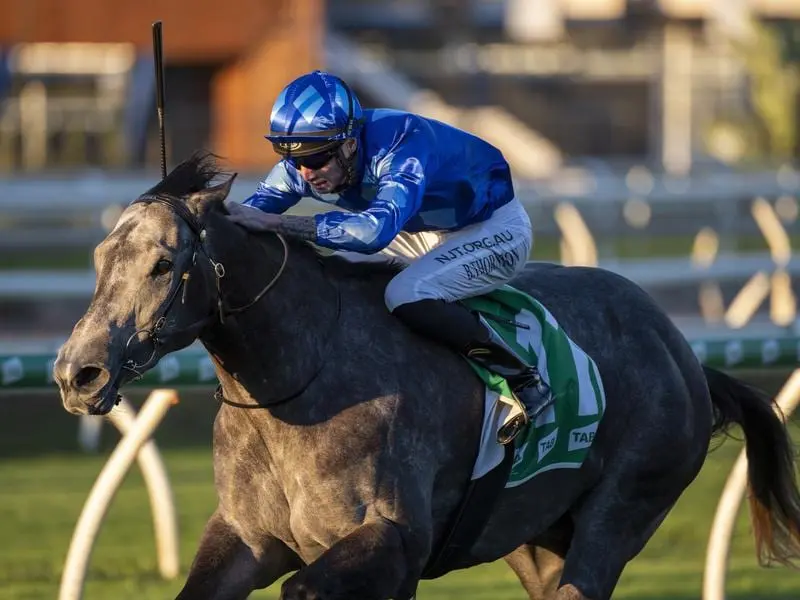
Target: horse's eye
[[162, 267]]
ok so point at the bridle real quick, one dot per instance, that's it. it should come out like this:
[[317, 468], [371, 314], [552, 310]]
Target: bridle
[[152, 332], [222, 311]]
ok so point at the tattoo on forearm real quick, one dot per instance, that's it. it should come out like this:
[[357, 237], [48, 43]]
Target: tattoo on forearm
[[304, 228]]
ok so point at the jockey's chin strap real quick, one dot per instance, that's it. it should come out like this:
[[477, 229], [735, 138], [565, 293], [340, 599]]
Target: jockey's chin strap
[[222, 311], [348, 167]]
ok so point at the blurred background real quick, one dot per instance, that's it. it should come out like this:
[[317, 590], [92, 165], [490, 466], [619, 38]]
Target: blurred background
[[656, 138]]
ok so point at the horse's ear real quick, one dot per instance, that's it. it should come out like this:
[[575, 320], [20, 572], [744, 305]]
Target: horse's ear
[[211, 197]]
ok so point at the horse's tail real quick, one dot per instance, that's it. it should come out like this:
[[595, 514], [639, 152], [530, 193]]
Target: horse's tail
[[773, 493]]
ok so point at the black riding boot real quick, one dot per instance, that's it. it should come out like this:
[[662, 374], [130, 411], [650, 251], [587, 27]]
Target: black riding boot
[[460, 329]]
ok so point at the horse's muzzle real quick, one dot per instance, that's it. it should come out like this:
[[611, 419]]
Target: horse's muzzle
[[85, 388]]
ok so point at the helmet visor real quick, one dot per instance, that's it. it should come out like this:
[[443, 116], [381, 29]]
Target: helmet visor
[[287, 148]]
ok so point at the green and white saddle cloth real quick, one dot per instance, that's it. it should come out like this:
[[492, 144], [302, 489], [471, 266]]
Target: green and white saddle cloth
[[561, 436]]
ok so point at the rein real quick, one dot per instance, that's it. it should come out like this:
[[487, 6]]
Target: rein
[[222, 311], [220, 396]]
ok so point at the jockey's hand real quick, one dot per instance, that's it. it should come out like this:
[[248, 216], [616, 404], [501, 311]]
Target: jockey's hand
[[251, 218]]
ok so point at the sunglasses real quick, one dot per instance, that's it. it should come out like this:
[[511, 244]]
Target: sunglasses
[[313, 161]]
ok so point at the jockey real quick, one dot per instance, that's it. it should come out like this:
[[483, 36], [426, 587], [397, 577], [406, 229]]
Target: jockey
[[415, 191]]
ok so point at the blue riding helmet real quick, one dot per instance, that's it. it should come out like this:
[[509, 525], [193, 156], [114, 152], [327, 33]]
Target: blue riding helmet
[[315, 112]]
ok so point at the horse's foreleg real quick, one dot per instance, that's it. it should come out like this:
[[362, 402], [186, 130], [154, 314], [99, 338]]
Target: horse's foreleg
[[225, 568], [368, 564], [538, 569]]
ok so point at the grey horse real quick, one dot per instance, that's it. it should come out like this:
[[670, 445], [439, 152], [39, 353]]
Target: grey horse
[[345, 443]]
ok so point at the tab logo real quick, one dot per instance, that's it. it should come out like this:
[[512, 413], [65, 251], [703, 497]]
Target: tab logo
[[547, 443], [582, 437]]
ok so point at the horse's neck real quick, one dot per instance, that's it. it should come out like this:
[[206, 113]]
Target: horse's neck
[[272, 348]]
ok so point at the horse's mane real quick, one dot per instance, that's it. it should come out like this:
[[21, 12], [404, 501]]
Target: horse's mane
[[194, 174], [201, 169]]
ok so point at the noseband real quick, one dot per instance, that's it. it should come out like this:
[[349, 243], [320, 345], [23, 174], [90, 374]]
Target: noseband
[[222, 311]]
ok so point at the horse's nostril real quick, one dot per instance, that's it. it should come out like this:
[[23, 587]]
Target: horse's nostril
[[86, 376]]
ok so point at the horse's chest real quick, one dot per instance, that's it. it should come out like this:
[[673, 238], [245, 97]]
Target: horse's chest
[[307, 495], [308, 518], [323, 514]]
